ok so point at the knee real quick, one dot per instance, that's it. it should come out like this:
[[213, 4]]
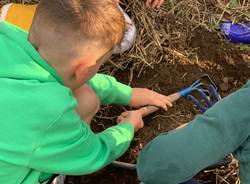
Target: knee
[[94, 101], [88, 102], [162, 162], [161, 171]]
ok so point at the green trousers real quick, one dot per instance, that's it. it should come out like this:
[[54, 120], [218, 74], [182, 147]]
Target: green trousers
[[178, 155]]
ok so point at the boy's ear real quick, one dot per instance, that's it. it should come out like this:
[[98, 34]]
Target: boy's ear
[[82, 67], [80, 71]]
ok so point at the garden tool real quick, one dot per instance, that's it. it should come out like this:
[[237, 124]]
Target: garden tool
[[236, 33], [204, 87], [208, 96]]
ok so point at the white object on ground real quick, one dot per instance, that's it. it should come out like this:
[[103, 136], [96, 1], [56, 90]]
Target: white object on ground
[[129, 36], [59, 179]]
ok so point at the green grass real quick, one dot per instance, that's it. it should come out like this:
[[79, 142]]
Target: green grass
[[234, 4]]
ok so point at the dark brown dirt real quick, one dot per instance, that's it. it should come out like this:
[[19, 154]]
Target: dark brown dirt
[[212, 55]]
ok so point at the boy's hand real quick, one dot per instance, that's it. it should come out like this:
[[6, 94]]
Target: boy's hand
[[142, 97], [133, 117], [154, 3]]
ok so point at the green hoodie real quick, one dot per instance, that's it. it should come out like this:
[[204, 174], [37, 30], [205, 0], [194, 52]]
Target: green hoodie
[[40, 131]]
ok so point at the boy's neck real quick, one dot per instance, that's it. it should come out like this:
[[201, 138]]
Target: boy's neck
[[60, 65]]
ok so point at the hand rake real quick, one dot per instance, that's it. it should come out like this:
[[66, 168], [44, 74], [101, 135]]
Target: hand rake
[[204, 87]]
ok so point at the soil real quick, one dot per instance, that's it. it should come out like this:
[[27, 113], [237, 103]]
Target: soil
[[226, 64]]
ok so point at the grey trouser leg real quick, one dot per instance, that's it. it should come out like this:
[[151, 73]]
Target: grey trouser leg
[[178, 155]]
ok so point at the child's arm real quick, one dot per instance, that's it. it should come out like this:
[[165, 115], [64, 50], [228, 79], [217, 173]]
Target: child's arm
[[154, 3], [109, 90], [69, 146], [112, 92]]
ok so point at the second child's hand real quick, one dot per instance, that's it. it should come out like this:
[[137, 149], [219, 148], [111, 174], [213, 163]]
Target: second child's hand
[[154, 3]]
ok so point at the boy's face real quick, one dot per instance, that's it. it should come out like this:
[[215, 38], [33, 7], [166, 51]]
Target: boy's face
[[92, 70]]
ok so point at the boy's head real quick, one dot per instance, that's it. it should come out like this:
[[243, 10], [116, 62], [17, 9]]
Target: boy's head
[[76, 36]]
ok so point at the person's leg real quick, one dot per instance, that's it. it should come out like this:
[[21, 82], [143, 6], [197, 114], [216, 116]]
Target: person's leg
[[178, 155], [192, 181], [88, 103]]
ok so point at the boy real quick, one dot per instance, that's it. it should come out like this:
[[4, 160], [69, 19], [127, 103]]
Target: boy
[[178, 155], [44, 97]]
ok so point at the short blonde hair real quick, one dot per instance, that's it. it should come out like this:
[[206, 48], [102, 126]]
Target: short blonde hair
[[99, 20]]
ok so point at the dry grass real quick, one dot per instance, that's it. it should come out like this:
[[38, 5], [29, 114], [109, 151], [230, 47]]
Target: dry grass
[[164, 34], [223, 175]]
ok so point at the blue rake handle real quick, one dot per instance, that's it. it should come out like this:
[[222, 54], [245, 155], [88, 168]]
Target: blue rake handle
[[196, 86]]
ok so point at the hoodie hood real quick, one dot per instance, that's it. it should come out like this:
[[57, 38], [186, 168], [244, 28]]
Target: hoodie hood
[[20, 60]]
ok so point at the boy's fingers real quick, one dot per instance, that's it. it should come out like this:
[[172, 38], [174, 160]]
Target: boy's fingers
[[161, 104], [155, 3], [160, 3], [168, 103], [124, 114], [120, 119], [165, 99], [164, 106], [148, 3]]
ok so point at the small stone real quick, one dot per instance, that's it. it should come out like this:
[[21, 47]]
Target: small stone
[[166, 57], [225, 80], [219, 67], [235, 83], [224, 86], [230, 79], [140, 146]]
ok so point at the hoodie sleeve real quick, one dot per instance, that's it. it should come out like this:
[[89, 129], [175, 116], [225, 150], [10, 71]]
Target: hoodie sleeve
[[109, 90], [69, 146]]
